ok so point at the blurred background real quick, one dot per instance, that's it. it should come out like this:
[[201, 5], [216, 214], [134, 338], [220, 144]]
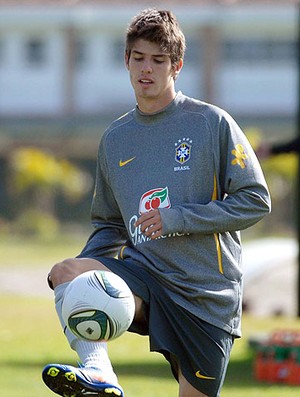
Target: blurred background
[[63, 80]]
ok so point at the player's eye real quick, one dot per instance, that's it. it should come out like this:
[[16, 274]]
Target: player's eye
[[138, 59]]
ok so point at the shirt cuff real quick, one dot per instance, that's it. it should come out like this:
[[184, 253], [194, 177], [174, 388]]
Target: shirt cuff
[[172, 220]]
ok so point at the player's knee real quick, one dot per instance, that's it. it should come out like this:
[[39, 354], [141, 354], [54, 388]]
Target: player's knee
[[63, 272]]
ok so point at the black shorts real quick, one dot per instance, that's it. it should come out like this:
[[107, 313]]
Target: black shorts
[[201, 349]]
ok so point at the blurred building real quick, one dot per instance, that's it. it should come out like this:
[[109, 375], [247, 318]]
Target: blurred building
[[63, 79], [61, 58]]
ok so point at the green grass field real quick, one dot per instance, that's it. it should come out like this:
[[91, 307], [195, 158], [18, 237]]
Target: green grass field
[[30, 337]]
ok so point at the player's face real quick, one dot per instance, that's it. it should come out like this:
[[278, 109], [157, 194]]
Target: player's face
[[151, 76]]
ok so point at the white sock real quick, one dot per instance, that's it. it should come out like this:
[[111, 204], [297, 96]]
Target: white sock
[[91, 354], [59, 294], [95, 355]]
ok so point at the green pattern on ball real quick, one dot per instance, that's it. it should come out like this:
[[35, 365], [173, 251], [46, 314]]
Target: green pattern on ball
[[97, 316]]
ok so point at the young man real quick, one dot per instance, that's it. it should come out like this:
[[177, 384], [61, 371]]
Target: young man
[[176, 181]]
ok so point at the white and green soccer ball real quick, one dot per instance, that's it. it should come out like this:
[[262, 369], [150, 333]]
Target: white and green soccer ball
[[98, 305]]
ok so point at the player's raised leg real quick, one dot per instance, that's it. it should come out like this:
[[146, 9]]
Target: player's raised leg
[[96, 374]]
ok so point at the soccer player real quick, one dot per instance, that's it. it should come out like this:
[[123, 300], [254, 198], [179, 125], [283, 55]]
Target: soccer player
[[176, 182]]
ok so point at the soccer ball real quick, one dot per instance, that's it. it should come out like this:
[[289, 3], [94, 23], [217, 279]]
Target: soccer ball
[[98, 305]]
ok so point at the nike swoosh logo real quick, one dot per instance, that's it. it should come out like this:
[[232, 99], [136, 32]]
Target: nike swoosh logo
[[200, 376], [122, 163]]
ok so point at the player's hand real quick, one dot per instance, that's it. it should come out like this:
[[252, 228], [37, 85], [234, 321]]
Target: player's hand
[[151, 224]]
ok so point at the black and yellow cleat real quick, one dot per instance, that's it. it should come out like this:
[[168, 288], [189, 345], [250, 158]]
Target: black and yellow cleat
[[68, 381]]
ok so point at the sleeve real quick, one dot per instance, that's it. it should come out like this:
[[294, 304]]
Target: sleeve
[[240, 198], [109, 229]]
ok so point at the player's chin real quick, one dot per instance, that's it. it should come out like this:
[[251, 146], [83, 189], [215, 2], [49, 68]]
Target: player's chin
[[146, 91]]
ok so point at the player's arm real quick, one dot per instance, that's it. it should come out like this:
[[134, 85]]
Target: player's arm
[[109, 230], [242, 197]]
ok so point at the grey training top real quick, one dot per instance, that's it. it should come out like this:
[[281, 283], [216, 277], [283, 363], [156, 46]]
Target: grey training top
[[192, 161]]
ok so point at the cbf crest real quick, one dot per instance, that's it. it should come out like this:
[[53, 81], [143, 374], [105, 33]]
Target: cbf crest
[[183, 150]]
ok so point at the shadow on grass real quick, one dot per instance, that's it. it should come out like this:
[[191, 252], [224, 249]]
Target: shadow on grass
[[239, 374], [157, 370], [239, 371], [153, 370]]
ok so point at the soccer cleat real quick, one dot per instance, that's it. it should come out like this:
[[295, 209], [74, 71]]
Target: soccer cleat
[[68, 381]]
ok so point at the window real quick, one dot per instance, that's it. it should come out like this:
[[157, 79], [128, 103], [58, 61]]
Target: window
[[118, 50], [80, 52], [35, 52], [2, 51], [193, 53], [259, 50]]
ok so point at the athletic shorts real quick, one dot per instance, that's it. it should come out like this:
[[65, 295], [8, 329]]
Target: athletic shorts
[[201, 349]]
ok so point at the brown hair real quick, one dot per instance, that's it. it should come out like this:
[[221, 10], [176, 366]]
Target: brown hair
[[160, 27]]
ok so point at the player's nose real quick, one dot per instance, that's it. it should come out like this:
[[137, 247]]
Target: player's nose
[[146, 67]]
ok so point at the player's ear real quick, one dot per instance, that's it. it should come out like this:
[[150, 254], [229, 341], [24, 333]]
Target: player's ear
[[177, 68], [126, 59]]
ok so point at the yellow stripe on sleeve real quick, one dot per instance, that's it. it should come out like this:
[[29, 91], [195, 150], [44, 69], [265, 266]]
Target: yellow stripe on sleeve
[[216, 235]]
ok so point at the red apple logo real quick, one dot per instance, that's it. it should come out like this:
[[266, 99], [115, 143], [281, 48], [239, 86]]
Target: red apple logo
[[155, 202], [153, 199]]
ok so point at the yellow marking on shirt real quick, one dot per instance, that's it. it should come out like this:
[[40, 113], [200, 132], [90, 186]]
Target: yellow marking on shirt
[[240, 156], [121, 251], [216, 235], [122, 163]]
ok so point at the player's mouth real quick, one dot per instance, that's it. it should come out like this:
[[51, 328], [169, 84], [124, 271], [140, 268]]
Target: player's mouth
[[145, 82]]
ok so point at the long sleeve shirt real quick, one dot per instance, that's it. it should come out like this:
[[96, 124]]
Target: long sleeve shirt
[[192, 162]]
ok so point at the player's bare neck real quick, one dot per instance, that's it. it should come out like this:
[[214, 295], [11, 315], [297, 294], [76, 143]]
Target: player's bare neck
[[151, 106]]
